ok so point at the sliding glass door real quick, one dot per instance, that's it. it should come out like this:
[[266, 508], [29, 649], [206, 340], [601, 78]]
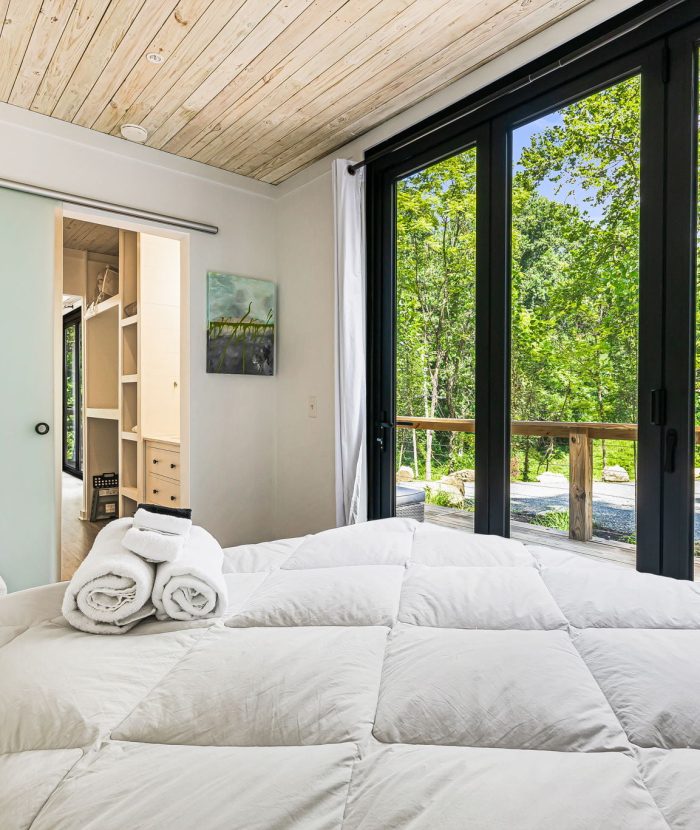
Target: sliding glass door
[[436, 233], [682, 532], [531, 309], [29, 344], [423, 387], [695, 438], [575, 294]]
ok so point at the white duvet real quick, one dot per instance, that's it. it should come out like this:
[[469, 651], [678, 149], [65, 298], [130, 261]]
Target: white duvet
[[387, 676]]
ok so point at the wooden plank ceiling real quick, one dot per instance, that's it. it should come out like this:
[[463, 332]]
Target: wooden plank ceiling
[[87, 236], [257, 87]]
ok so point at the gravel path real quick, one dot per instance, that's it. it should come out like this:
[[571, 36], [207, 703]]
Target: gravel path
[[613, 504]]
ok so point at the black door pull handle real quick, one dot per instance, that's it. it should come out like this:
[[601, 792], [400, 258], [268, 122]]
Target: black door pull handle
[[658, 407], [670, 450], [42, 428], [381, 426]]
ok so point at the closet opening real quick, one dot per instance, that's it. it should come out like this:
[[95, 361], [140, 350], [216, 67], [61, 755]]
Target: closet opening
[[121, 377]]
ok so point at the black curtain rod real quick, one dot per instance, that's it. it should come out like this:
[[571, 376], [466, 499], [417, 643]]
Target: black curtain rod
[[526, 80]]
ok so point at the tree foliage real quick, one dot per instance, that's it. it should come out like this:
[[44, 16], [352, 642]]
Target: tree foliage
[[575, 269]]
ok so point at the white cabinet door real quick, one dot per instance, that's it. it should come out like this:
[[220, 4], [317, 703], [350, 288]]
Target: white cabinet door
[[28, 460]]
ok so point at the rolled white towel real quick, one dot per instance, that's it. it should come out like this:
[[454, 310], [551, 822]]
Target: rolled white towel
[[152, 545], [162, 520], [193, 586], [111, 590]]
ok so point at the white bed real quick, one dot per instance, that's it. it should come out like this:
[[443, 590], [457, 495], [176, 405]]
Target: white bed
[[391, 675]]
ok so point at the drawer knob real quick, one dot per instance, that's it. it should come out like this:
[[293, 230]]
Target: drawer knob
[[172, 498], [172, 466], [156, 491], [155, 460]]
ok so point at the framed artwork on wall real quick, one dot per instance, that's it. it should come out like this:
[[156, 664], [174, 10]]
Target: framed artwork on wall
[[241, 321]]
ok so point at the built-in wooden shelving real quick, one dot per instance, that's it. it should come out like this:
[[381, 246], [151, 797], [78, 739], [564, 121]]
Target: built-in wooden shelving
[[101, 308], [131, 363], [129, 493], [104, 413]]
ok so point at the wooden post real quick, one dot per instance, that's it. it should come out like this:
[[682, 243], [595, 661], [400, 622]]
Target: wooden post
[[580, 486]]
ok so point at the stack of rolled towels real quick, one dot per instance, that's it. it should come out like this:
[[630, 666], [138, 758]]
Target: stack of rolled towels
[[157, 563]]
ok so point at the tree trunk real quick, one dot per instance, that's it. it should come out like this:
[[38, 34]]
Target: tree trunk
[[429, 432], [415, 453], [526, 462], [428, 455], [548, 453], [601, 416]]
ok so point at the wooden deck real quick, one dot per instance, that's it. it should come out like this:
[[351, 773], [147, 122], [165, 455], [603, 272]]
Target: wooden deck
[[617, 553]]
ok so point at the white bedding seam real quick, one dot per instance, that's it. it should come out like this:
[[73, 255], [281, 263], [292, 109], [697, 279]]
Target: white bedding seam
[[172, 668], [646, 787], [349, 787], [595, 680], [381, 668], [24, 629], [58, 784]]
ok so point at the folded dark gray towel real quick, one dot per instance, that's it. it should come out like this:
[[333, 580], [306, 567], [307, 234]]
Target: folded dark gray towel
[[178, 512]]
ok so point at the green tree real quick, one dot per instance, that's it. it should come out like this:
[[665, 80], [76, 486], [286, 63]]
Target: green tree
[[574, 283]]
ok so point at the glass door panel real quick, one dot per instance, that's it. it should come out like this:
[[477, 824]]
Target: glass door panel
[[435, 342], [696, 465], [574, 324], [72, 393], [28, 487]]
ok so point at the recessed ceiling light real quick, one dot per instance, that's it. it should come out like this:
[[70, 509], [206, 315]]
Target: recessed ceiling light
[[154, 57], [134, 132]]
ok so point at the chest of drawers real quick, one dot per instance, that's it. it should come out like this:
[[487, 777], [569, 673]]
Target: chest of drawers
[[162, 461]]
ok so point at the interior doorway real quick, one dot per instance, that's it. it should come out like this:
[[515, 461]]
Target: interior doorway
[[120, 377]]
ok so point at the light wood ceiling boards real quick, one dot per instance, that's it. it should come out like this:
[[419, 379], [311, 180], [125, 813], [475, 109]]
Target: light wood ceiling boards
[[257, 87], [87, 236]]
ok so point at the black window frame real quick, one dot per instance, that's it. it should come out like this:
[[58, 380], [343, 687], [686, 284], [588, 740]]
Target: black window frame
[[72, 318], [660, 50]]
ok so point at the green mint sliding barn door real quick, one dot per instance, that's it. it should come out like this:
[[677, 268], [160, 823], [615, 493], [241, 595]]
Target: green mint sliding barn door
[[28, 483]]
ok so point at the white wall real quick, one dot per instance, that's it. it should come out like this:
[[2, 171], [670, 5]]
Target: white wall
[[305, 481], [232, 419], [305, 446]]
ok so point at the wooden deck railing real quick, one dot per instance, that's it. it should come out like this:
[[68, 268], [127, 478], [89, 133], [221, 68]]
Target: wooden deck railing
[[580, 437]]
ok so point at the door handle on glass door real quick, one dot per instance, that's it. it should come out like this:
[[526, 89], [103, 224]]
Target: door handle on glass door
[[42, 428], [381, 426]]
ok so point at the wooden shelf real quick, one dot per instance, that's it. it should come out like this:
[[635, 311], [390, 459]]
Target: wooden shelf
[[106, 414], [130, 436], [130, 378], [130, 321], [129, 492], [100, 308]]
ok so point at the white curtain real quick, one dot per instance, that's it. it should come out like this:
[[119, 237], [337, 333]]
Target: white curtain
[[350, 427]]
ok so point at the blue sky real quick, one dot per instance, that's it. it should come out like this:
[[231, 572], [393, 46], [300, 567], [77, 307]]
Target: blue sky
[[521, 139]]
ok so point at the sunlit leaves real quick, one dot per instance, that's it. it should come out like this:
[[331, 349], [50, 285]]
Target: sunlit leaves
[[574, 276]]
